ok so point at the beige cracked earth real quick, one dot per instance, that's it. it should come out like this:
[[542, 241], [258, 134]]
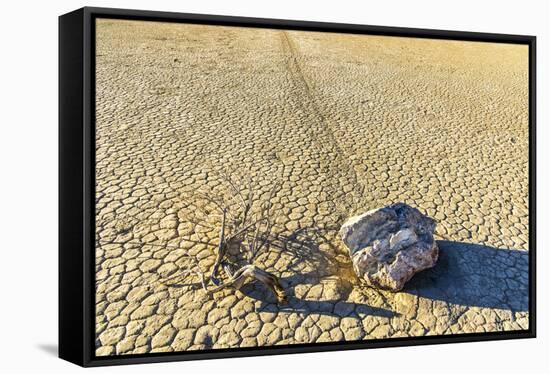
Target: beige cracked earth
[[345, 123]]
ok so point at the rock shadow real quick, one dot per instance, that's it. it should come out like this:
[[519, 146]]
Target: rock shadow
[[476, 275]]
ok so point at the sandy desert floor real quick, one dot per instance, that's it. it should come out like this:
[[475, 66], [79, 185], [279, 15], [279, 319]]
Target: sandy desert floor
[[345, 123]]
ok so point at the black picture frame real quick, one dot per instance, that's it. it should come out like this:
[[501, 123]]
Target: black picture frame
[[77, 181]]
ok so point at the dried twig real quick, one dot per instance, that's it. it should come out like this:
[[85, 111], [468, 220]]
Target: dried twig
[[221, 251], [253, 272], [240, 226]]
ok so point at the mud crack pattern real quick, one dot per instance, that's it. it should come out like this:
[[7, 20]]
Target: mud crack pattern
[[347, 123]]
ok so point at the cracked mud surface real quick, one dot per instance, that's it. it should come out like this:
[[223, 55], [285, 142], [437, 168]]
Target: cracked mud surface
[[346, 123]]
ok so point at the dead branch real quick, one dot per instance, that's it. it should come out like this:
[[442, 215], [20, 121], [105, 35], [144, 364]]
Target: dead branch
[[221, 251], [253, 272], [246, 223]]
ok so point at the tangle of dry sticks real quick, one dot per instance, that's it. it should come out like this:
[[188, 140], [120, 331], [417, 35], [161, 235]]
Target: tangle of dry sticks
[[245, 225]]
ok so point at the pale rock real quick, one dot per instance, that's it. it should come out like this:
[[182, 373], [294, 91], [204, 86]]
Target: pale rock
[[389, 245]]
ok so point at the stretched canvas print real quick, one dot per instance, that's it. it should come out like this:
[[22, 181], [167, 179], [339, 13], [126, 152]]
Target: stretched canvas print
[[257, 187]]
